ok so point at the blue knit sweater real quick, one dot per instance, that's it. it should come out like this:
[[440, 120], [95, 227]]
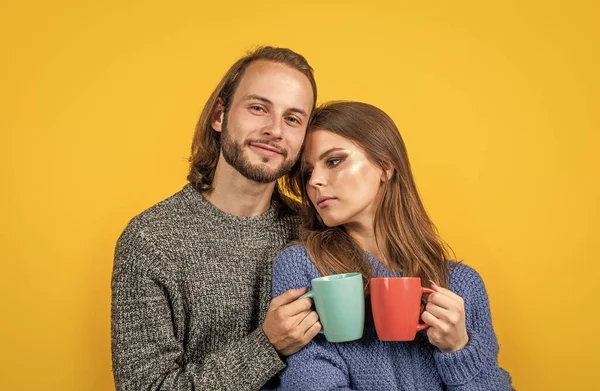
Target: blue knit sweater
[[370, 364]]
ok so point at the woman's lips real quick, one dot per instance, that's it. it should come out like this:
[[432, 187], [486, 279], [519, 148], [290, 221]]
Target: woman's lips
[[324, 201]]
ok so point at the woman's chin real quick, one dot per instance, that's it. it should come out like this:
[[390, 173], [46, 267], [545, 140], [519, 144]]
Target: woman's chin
[[331, 222]]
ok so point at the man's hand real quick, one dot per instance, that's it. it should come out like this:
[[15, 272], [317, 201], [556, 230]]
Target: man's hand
[[290, 324]]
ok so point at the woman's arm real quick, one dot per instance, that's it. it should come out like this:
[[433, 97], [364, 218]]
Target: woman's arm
[[318, 366], [475, 366]]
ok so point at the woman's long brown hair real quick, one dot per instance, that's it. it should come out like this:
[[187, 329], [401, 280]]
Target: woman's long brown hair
[[405, 235]]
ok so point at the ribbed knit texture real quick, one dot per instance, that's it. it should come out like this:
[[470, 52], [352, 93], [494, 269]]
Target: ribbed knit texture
[[370, 364], [190, 289]]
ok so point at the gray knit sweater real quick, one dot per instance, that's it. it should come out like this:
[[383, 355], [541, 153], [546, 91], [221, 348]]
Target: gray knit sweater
[[190, 288]]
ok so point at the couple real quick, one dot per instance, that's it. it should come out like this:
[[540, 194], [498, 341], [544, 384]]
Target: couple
[[205, 291]]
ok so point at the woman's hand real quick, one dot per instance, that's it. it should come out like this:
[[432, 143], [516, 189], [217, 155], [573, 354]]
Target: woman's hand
[[445, 313]]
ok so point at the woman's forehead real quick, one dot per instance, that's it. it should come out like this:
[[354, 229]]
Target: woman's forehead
[[321, 140]]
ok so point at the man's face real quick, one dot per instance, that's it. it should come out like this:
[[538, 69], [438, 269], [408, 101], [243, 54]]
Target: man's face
[[263, 130]]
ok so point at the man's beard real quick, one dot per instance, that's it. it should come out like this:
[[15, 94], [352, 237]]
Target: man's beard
[[234, 155]]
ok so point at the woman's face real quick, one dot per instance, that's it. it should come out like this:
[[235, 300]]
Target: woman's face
[[341, 182]]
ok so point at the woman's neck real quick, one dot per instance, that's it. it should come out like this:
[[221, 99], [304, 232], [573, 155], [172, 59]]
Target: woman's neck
[[364, 235]]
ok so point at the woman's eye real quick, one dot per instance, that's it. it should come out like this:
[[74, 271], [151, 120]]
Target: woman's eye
[[333, 162]]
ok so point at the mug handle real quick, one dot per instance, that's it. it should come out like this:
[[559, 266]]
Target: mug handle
[[310, 295], [423, 326]]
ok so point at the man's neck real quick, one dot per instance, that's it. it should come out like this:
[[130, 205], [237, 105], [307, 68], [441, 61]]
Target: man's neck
[[237, 195]]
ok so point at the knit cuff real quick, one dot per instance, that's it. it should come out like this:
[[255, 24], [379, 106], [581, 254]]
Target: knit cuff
[[263, 351], [462, 366]]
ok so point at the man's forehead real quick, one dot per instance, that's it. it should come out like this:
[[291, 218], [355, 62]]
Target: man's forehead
[[278, 83]]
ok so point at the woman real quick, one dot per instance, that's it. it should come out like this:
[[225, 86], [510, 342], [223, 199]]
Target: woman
[[362, 212]]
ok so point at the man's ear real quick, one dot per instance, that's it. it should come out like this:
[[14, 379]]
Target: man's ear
[[216, 118]]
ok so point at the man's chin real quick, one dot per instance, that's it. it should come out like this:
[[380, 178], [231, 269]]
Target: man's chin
[[262, 173]]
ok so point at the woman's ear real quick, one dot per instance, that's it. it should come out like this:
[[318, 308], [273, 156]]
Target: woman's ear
[[387, 172], [216, 118]]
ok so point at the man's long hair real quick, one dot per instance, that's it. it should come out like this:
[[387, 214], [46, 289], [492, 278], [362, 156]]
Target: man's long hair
[[206, 145]]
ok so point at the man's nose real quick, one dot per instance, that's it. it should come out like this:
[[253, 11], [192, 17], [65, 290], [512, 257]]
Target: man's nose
[[274, 129]]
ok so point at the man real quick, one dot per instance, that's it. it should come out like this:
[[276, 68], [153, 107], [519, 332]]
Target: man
[[192, 275]]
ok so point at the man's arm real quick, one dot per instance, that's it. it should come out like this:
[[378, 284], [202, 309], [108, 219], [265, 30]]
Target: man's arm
[[146, 351]]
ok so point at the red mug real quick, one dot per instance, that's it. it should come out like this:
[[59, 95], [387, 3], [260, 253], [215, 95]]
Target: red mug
[[396, 304]]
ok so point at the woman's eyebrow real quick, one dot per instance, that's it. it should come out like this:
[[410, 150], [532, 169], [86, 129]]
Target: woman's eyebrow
[[324, 154]]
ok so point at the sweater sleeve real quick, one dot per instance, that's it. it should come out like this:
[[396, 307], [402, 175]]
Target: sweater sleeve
[[475, 367], [146, 352], [318, 366]]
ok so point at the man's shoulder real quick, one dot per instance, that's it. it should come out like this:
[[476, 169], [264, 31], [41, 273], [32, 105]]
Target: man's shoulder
[[166, 211], [163, 216]]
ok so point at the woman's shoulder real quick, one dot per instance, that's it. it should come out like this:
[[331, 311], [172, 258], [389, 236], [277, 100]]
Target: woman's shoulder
[[293, 256], [292, 269], [464, 280], [294, 265]]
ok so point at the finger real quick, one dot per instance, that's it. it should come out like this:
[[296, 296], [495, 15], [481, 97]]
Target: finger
[[442, 300], [437, 311], [296, 307], [288, 297], [431, 320], [433, 335], [445, 291], [308, 321], [297, 319], [313, 331]]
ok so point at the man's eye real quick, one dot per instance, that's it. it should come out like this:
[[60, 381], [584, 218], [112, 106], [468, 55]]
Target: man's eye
[[293, 119], [256, 108]]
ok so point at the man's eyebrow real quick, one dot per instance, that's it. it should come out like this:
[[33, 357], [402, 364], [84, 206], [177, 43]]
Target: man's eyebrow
[[269, 102], [258, 97], [299, 111]]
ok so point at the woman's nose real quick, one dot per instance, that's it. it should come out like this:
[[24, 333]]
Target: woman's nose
[[317, 179]]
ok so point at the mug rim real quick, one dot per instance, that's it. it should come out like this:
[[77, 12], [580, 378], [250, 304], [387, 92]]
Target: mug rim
[[336, 277]]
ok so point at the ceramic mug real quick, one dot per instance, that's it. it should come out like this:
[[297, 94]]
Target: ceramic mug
[[339, 300], [396, 304]]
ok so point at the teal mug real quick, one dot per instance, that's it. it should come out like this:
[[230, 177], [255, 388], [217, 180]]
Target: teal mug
[[340, 302]]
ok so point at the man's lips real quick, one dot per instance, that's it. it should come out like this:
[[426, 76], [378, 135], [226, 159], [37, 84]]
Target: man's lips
[[266, 149]]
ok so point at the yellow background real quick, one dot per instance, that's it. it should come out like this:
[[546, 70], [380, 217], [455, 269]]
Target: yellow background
[[498, 105]]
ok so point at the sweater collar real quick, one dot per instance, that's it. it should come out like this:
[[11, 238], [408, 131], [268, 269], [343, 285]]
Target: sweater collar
[[201, 205]]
